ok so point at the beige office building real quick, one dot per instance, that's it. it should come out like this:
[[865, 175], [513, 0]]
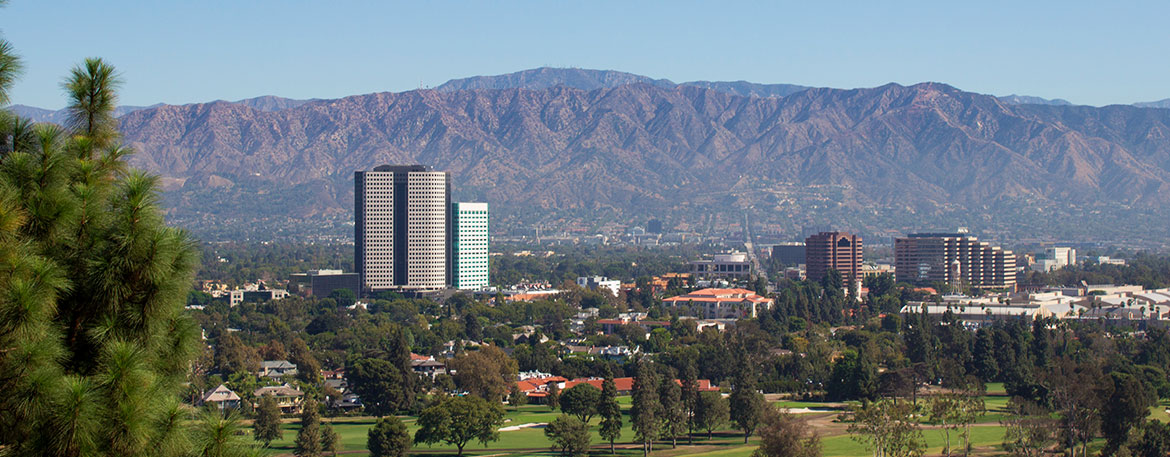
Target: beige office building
[[956, 259], [400, 228]]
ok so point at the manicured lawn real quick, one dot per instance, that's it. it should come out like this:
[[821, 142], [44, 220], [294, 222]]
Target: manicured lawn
[[531, 441], [1158, 411], [844, 445]]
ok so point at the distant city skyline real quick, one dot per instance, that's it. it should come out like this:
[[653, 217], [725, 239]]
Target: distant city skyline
[[183, 52]]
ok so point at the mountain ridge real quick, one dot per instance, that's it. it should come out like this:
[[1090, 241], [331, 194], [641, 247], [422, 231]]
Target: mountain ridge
[[641, 147], [891, 157]]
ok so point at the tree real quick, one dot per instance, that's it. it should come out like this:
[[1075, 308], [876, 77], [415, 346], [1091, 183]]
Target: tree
[[690, 396], [486, 373], [970, 408], [308, 442], [388, 438], [1029, 429], [330, 441], [581, 401], [1074, 392], [96, 344], [233, 356], [1125, 410], [888, 429], [955, 411], [379, 384], [570, 436], [1153, 440], [942, 410], [459, 420], [747, 405], [217, 435], [308, 368], [266, 427], [674, 420], [554, 396], [854, 377], [712, 411], [610, 412], [644, 413], [516, 398], [782, 434]]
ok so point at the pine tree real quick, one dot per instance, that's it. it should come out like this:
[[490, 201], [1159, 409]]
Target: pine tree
[[308, 443], [330, 441], [554, 396], [96, 344], [610, 412], [690, 397], [266, 427], [747, 405], [388, 438], [644, 413], [673, 413]]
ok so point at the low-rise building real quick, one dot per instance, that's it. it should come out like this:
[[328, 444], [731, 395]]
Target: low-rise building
[[722, 303], [221, 397], [288, 398], [277, 368], [258, 295], [732, 265], [611, 286], [322, 283]]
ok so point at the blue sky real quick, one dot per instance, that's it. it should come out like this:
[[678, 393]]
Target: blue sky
[[183, 51]]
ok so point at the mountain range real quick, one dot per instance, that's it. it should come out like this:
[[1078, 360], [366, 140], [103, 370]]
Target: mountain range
[[562, 146]]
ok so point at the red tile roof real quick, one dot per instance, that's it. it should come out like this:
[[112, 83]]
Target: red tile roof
[[719, 295], [627, 384]]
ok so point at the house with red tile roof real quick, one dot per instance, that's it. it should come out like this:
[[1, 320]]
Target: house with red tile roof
[[626, 385], [722, 303]]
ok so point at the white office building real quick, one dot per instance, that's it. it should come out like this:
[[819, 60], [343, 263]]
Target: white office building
[[469, 245]]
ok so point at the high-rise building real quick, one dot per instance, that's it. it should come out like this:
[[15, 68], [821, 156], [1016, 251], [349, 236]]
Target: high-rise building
[[469, 246], [789, 253], [956, 259], [839, 251], [402, 213]]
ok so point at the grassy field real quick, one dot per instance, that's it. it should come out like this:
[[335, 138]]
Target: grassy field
[[986, 439]]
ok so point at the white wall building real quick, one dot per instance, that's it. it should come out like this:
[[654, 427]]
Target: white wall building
[[613, 286], [469, 245]]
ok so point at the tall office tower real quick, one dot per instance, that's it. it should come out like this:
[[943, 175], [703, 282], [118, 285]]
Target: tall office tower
[[400, 232], [839, 251], [956, 259], [469, 246]]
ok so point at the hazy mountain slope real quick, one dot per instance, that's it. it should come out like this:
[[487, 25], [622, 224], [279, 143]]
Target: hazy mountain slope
[[638, 147], [1164, 103], [1030, 100], [262, 103]]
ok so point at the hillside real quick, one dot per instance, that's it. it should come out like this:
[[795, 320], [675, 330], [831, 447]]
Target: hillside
[[923, 152]]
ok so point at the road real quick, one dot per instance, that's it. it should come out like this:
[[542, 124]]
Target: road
[[749, 245]]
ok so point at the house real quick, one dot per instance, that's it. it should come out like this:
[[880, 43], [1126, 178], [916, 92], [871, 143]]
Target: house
[[277, 368], [288, 398], [536, 388], [609, 326], [625, 386], [427, 365], [347, 402], [222, 397]]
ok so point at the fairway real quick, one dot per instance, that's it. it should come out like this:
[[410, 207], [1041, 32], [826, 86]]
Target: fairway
[[987, 435]]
